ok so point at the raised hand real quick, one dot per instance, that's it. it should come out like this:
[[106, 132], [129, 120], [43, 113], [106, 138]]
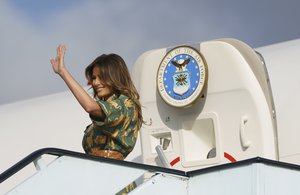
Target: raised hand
[[58, 63], [84, 99]]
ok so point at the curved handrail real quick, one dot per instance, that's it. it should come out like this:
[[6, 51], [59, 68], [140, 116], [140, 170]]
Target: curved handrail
[[61, 152]]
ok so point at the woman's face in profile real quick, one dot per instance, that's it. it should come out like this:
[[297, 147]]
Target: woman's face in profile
[[101, 90]]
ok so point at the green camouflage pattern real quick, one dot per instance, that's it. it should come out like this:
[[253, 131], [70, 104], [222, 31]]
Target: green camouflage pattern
[[118, 131]]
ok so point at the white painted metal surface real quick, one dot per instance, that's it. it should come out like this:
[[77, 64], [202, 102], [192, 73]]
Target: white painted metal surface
[[69, 175], [250, 179], [282, 61], [234, 117]]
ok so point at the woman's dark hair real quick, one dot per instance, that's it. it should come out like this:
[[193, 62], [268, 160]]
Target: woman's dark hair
[[115, 75]]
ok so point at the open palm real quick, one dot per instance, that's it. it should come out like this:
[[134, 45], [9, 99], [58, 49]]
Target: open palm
[[58, 62]]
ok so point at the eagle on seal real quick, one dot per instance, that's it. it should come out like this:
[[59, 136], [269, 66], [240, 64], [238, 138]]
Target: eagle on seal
[[181, 63]]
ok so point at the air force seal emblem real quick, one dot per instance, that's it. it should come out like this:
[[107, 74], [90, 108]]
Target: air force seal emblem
[[182, 76]]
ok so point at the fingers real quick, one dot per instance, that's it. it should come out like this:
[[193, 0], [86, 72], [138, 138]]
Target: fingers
[[52, 61], [58, 50], [61, 50], [60, 54]]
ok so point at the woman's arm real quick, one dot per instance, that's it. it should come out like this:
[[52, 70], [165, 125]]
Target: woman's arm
[[84, 99]]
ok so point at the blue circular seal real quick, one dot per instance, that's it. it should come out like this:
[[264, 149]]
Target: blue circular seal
[[182, 76]]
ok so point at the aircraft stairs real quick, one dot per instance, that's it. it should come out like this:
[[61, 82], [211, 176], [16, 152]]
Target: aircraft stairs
[[76, 173]]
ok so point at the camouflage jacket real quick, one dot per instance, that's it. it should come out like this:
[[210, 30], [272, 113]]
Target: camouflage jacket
[[118, 131]]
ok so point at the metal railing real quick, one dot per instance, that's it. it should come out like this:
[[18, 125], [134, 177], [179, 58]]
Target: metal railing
[[61, 152]]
